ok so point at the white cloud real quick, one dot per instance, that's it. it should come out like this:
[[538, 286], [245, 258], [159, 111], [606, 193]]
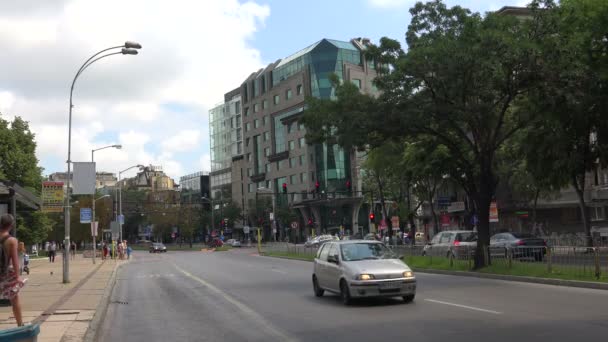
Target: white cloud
[[205, 162], [390, 3], [154, 103], [183, 141]]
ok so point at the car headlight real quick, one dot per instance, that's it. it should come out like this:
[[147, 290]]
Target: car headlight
[[365, 277], [408, 274]]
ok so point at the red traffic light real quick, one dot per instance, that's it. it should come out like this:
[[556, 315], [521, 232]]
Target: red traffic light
[[310, 222], [348, 185], [284, 188], [372, 217]]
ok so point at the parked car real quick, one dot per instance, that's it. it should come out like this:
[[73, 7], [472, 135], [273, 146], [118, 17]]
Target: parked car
[[318, 241], [452, 243], [158, 247], [233, 243], [519, 245], [360, 268], [370, 237]]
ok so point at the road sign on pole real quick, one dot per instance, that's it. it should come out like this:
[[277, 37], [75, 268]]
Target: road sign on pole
[[85, 215], [94, 226]]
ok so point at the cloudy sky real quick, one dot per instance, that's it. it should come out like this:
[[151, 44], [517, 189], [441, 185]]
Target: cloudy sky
[[156, 103]]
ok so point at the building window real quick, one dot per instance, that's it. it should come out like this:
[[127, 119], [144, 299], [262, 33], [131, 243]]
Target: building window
[[288, 94], [356, 82], [237, 107], [239, 147], [249, 172], [248, 127], [299, 89], [250, 187], [264, 104], [267, 151], [302, 160], [246, 111], [301, 126], [292, 162], [597, 213], [248, 157], [247, 142], [256, 123], [264, 119], [256, 107], [293, 179], [268, 166], [302, 142], [291, 127], [266, 136], [292, 145], [303, 177], [269, 184], [276, 99]]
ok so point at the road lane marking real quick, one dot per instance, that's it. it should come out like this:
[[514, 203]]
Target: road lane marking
[[463, 306], [244, 308], [278, 271]]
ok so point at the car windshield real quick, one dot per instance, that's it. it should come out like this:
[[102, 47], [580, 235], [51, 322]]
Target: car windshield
[[365, 251]]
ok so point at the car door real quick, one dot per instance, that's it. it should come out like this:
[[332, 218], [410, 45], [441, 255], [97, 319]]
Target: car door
[[333, 272], [429, 248], [321, 265]]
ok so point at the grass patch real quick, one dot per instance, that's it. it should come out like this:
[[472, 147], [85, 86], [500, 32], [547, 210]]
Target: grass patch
[[223, 248], [517, 268], [289, 255]]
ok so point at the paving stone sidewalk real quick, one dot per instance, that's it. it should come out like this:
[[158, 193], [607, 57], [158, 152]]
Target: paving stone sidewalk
[[63, 310]]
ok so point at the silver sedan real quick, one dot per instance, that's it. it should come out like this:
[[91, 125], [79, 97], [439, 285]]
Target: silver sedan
[[359, 268]]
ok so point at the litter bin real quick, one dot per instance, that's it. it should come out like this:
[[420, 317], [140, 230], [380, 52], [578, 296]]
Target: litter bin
[[27, 333]]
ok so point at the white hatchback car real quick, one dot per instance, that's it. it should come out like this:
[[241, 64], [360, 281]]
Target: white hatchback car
[[360, 268]]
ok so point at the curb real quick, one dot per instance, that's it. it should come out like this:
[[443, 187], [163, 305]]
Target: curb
[[102, 308], [534, 280]]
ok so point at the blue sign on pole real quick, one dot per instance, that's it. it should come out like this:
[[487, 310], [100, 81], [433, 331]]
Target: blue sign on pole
[[121, 219], [85, 215]]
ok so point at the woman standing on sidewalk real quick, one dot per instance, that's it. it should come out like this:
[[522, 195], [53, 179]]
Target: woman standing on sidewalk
[[10, 282]]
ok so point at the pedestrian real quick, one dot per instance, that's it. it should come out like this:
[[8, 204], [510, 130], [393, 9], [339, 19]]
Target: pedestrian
[[105, 251], [52, 251], [10, 282], [120, 251], [73, 250], [113, 250], [21, 254], [129, 250]]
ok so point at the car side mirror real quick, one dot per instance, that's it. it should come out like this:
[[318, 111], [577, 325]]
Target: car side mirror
[[332, 259]]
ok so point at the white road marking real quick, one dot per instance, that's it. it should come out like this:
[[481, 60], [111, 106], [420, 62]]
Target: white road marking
[[463, 306], [262, 322], [278, 271]]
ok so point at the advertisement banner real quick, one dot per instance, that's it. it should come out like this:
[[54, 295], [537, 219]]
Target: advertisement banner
[[493, 212], [456, 207], [94, 226], [84, 178], [395, 222], [445, 220], [52, 197], [382, 225], [85, 215]]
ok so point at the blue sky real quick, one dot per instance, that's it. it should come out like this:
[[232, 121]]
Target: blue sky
[[156, 103]]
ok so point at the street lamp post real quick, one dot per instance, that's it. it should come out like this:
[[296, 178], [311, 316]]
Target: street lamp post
[[128, 48], [94, 227], [120, 197], [94, 200], [211, 206]]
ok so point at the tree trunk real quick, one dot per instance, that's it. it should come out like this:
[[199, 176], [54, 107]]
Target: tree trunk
[[433, 214], [579, 187], [382, 203], [534, 206], [482, 200]]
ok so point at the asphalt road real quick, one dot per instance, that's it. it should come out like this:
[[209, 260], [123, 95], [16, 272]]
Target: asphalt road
[[238, 296]]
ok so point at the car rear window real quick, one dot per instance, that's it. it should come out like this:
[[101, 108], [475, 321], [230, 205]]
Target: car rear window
[[522, 235], [466, 237]]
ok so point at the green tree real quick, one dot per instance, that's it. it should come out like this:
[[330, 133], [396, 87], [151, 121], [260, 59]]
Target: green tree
[[18, 162], [459, 83], [572, 138]]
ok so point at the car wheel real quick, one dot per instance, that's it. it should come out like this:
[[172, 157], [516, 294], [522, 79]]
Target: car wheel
[[315, 286], [344, 293], [409, 298]]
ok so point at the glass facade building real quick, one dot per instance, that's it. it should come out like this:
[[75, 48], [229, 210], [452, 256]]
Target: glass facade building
[[226, 140]]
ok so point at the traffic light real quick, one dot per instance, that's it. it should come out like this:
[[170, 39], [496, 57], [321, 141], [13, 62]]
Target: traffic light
[[310, 222], [372, 217], [317, 185], [348, 185], [284, 188]]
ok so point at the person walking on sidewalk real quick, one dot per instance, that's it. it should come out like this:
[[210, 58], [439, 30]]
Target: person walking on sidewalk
[[52, 251], [73, 250], [129, 250], [21, 253], [10, 282]]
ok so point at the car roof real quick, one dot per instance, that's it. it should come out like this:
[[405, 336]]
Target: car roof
[[458, 231], [348, 242]]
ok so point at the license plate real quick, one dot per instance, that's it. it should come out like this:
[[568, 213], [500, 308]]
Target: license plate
[[391, 285]]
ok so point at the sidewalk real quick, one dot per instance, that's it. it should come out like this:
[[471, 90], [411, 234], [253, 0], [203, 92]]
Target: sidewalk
[[63, 310]]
